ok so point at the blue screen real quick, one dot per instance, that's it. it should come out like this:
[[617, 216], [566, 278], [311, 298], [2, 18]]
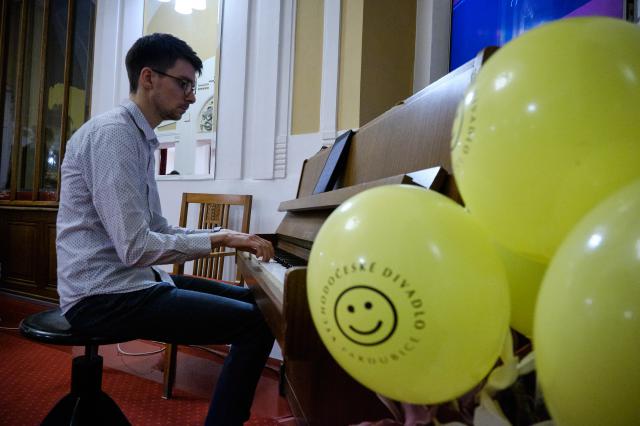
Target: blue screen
[[476, 24]]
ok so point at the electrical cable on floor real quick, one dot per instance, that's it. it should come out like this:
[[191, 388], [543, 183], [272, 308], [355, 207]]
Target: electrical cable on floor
[[123, 352], [223, 354], [8, 328]]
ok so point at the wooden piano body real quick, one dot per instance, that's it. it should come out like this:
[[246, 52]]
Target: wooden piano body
[[412, 136]]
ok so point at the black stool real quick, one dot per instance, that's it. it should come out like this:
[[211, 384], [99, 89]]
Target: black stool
[[86, 404]]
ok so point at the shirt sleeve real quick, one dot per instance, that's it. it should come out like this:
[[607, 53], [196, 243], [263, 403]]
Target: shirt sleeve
[[115, 171], [179, 230], [165, 228]]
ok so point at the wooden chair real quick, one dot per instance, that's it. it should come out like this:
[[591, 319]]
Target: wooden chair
[[214, 210]]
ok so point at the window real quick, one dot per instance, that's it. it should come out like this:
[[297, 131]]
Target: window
[[46, 48]]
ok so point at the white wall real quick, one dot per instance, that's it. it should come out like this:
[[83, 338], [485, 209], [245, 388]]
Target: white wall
[[118, 25], [267, 194]]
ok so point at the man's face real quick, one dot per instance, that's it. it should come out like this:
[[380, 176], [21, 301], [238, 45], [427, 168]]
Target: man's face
[[169, 96]]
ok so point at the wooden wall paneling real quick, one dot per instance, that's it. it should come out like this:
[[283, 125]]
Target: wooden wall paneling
[[27, 252], [23, 243], [50, 247], [4, 247]]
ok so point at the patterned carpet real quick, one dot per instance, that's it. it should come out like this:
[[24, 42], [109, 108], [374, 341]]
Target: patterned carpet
[[33, 377]]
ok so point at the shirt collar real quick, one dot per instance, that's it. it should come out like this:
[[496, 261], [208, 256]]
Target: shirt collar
[[140, 121]]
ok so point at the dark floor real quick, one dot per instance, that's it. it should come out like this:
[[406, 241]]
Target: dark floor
[[197, 368]]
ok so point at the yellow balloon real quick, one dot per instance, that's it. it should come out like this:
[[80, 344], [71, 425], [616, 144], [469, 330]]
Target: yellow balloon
[[548, 129], [587, 320], [408, 294], [524, 277]]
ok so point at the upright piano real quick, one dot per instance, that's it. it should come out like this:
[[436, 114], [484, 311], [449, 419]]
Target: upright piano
[[410, 143]]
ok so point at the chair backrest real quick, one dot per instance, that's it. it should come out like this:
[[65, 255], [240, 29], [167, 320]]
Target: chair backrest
[[214, 210]]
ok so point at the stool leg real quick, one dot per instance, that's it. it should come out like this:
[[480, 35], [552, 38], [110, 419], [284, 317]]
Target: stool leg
[[99, 410], [86, 374], [88, 410], [86, 404], [62, 412]]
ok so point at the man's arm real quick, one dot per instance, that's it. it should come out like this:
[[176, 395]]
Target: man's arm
[[115, 173], [160, 224], [244, 242]]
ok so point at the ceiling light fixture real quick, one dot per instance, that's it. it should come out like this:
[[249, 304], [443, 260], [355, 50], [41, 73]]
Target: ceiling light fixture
[[198, 4], [185, 7]]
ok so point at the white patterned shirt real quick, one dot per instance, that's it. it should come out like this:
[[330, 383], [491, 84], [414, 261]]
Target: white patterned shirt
[[110, 229]]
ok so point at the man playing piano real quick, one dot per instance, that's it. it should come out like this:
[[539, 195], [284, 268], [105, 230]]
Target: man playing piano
[[110, 233]]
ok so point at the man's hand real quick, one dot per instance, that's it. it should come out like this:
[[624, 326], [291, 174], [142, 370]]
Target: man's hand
[[244, 242]]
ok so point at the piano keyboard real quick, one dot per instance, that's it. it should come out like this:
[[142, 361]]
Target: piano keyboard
[[275, 269], [279, 265]]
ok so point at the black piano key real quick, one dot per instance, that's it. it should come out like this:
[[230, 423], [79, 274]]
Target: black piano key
[[287, 259]]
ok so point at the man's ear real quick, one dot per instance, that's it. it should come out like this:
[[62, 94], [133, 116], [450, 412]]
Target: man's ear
[[146, 78]]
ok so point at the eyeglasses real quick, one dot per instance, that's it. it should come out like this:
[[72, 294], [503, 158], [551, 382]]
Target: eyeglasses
[[187, 85]]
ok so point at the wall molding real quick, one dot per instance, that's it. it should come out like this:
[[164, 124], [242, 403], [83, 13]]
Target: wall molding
[[433, 28], [230, 133], [118, 26], [285, 87], [330, 69], [262, 93]]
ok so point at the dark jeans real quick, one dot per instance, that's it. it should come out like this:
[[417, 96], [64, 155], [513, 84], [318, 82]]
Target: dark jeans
[[197, 312]]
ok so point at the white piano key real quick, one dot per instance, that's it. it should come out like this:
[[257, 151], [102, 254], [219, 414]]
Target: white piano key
[[275, 269]]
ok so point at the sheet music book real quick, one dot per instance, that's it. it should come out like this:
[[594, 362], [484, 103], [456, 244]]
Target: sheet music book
[[335, 163]]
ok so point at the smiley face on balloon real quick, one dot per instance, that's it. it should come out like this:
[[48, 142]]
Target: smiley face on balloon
[[365, 315]]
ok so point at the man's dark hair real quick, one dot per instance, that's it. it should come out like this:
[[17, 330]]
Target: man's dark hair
[[158, 51]]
